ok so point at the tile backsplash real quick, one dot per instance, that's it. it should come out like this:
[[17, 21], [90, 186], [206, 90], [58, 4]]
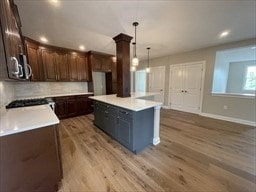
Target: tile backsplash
[[7, 93], [31, 89]]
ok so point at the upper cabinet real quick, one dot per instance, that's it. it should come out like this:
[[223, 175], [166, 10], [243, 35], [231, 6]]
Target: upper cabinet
[[100, 62], [50, 63], [11, 39], [55, 65], [32, 49], [79, 67]]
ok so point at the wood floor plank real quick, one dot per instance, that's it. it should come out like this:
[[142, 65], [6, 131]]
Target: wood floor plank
[[195, 154]]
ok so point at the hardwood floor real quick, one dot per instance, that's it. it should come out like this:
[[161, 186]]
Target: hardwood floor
[[195, 154]]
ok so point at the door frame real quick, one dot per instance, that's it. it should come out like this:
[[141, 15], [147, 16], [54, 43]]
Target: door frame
[[162, 66], [203, 62]]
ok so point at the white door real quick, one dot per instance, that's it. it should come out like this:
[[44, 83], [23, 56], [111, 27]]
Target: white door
[[192, 87], [185, 87], [176, 80], [157, 82], [140, 81]]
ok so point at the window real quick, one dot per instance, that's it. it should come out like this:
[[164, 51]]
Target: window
[[235, 71], [250, 78]]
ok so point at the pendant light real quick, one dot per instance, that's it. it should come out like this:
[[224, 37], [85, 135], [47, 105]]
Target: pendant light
[[148, 69], [135, 60]]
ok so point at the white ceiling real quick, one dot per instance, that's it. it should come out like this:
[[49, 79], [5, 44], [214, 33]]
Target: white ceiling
[[168, 27]]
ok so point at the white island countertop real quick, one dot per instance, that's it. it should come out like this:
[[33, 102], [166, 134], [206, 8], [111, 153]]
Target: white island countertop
[[131, 103], [22, 119]]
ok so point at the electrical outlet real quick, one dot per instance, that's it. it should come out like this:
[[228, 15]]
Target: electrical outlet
[[225, 107]]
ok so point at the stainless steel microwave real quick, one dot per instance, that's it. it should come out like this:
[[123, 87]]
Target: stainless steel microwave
[[19, 68]]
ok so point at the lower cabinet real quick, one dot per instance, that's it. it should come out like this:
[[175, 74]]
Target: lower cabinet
[[133, 129], [31, 161], [71, 106]]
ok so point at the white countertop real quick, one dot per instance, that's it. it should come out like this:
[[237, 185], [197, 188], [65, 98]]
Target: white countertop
[[55, 95], [17, 120], [131, 103]]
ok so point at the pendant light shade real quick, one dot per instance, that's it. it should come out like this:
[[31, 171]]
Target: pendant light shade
[[148, 69], [135, 60]]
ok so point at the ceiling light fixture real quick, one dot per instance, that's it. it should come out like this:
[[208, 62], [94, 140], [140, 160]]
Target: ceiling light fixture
[[43, 39], [224, 34], [54, 2], [81, 47], [135, 60], [148, 69]]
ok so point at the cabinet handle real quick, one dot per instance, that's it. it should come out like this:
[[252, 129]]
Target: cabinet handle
[[186, 91], [182, 91], [118, 119], [124, 112], [56, 77], [16, 63]]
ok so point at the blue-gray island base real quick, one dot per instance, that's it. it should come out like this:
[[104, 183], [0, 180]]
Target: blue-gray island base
[[133, 129]]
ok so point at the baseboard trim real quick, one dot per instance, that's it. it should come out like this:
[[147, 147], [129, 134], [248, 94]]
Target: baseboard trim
[[166, 107], [234, 120]]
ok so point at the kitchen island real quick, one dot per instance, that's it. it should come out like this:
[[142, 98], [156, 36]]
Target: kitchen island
[[132, 121]]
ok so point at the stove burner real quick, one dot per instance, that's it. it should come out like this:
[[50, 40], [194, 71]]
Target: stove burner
[[26, 103]]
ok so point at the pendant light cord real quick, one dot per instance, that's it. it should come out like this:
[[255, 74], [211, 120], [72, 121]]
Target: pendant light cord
[[148, 55]]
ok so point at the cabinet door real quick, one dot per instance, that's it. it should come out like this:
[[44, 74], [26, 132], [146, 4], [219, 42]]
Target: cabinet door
[[60, 108], [11, 36], [73, 70], [111, 124], [28, 158], [106, 64], [81, 102], [124, 132], [99, 115], [48, 60], [71, 106], [82, 66], [96, 62], [33, 61], [89, 106], [62, 64]]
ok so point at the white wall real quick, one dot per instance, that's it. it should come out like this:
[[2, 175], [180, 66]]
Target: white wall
[[239, 108]]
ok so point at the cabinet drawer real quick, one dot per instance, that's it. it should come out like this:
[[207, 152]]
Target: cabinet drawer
[[110, 109], [125, 114]]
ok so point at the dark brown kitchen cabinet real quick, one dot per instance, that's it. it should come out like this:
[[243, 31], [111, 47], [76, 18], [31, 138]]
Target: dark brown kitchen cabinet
[[79, 67], [100, 62], [61, 107], [30, 160], [32, 50], [84, 105], [48, 61], [71, 106], [55, 65], [11, 39], [62, 66]]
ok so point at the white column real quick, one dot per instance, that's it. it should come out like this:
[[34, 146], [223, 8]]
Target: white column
[[156, 139]]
